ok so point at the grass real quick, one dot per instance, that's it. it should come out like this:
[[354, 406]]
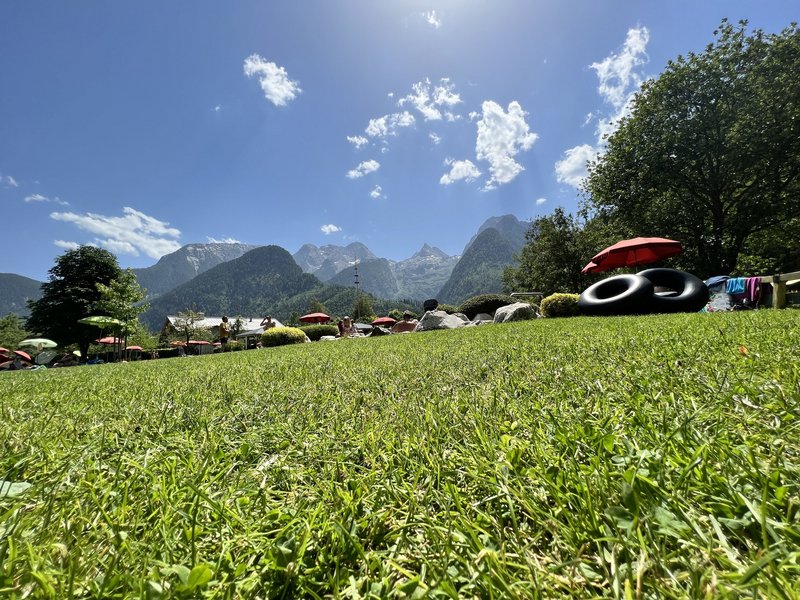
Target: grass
[[635, 457]]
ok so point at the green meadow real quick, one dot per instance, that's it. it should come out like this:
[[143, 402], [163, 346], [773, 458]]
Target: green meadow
[[630, 457]]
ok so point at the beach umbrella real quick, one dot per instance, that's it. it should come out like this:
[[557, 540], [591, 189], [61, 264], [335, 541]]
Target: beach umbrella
[[384, 321], [109, 341], [316, 317], [38, 343], [176, 343], [101, 321], [590, 268], [634, 252], [199, 343], [4, 351], [24, 355], [139, 348]]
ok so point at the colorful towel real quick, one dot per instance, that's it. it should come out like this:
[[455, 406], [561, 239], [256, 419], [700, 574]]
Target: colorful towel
[[736, 285]]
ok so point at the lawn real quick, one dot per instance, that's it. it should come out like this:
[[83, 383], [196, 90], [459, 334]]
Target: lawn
[[641, 457]]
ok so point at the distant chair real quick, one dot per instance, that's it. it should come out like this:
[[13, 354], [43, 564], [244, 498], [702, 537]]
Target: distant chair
[[430, 304]]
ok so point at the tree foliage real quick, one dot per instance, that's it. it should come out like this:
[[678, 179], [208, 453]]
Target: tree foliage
[[559, 245], [71, 294], [187, 324], [12, 331], [710, 154]]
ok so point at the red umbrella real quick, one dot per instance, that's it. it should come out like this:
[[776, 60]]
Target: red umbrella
[[24, 355], [384, 321], [177, 343], [636, 251], [199, 343], [134, 348], [109, 340], [317, 317], [4, 351], [590, 268]]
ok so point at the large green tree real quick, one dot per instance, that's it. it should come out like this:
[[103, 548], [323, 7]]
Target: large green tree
[[123, 299], [557, 248], [710, 153], [71, 294], [12, 331]]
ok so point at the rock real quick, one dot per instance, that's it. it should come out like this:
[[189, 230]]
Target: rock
[[378, 330], [483, 318], [438, 319], [519, 311]]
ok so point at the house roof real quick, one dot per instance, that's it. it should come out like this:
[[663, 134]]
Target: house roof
[[213, 322]]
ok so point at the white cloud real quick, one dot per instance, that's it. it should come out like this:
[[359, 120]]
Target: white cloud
[[133, 233], [540, 201], [572, 168], [617, 72], [377, 192], [389, 124], [357, 140], [329, 229], [501, 136], [274, 80], [9, 181], [218, 108], [67, 245], [428, 98], [40, 198], [367, 166], [459, 169], [620, 77], [212, 240], [435, 138], [432, 19]]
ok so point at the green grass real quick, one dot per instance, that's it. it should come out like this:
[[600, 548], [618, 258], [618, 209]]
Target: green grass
[[639, 457]]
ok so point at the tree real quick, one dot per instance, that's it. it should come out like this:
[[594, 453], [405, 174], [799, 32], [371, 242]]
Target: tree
[[187, 324], [12, 331], [558, 246], [71, 294], [122, 299], [317, 306], [362, 308], [710, 153]]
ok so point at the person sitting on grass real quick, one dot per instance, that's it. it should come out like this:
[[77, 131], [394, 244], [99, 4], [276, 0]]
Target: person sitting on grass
[[408, 323], [348, 328]]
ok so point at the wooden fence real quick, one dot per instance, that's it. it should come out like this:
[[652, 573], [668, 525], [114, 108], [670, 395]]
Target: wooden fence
[[778, 283]]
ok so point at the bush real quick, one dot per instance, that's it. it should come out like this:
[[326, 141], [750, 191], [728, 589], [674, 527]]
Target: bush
[[560, 305], [235, 346], [485, 303], [448, 308], [315, 332], [282, 336]]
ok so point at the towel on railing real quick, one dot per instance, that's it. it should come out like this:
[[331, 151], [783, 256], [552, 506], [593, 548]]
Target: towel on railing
[[753, 285], [736, 285]]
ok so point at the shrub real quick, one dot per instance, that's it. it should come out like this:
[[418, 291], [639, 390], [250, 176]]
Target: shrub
[[560, 305], [315, 332], [485, 303], [281, 336], [235, 346], [448, 308]]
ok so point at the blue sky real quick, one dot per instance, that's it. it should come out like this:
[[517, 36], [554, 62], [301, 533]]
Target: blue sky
[[143, 126]]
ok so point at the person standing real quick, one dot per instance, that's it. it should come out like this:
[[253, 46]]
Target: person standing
[[224, 330]]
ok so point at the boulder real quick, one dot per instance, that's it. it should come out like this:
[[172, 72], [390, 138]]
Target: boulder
[[483, 318], [519, 311], [438, 319]]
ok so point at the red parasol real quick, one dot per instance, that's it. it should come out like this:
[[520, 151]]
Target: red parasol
[[176, 343], [24, 355], [199, 343], [633, 252], [317, 317], [384, 321], [110, 341], [135, 348]]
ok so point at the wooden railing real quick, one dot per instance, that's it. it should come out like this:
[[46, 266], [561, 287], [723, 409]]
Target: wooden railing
[[778, 283]]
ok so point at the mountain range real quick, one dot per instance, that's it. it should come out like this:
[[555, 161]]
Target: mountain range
[[247, 279]]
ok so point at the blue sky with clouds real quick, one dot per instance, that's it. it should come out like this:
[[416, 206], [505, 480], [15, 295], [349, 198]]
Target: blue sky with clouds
[[143, 126]]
